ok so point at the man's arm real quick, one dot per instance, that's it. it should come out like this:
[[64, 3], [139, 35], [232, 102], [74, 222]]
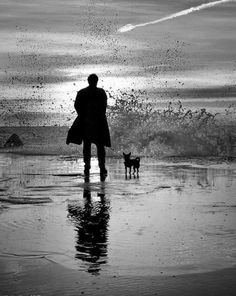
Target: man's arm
[[77, 103]]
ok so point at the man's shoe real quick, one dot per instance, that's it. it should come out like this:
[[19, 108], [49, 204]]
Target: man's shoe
[[103, 178]]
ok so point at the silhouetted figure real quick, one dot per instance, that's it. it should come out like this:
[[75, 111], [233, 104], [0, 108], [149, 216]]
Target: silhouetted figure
[[91, 124], [91, 223]]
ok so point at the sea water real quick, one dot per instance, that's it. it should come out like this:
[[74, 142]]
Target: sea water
[[141, 124]]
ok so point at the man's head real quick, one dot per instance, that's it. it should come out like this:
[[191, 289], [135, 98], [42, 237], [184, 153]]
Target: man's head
[[93, 80]]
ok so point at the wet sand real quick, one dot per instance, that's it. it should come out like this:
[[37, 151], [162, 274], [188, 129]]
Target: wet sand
[[169, 232], [52, 279]]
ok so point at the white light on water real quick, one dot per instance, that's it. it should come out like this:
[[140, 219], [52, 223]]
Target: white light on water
[[130, 27]]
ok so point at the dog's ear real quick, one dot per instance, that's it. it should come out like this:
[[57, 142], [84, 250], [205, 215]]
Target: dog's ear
[[129, 154], [123, 154]]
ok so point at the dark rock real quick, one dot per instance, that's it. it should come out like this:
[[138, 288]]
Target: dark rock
[[13, 141]]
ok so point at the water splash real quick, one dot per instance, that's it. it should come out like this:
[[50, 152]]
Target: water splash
[[139, 126], [130, 27]]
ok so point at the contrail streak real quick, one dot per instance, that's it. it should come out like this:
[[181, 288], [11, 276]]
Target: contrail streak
[[130, 27]]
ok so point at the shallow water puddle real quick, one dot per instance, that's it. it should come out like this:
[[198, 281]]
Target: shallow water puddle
[[175, 218]]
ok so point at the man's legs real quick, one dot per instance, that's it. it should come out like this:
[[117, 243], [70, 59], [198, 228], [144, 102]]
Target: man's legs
[[87, 156], [101, 153]]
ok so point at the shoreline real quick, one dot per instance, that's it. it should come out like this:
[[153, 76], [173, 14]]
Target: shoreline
[[161, 158]]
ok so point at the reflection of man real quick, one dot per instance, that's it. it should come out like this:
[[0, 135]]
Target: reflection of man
[[91, 125], [91, 222]]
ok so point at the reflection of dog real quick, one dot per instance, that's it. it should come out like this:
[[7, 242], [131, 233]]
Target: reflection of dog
[[131, 162]]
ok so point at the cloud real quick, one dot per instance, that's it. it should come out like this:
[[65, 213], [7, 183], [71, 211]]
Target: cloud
[[130, 27], [49, 47]]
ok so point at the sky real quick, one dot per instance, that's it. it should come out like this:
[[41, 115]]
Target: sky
[[49, 47]]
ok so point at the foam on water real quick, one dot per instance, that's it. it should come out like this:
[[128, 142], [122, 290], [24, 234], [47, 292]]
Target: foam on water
[[145, 126]]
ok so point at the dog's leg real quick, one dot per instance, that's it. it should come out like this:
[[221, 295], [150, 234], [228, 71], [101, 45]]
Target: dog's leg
[[126, 170], [130, 170]]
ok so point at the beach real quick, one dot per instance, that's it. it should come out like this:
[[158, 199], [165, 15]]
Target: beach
[[168, 69], [169, 231]]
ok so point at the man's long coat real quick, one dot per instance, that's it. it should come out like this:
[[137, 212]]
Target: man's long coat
[[91, 122]]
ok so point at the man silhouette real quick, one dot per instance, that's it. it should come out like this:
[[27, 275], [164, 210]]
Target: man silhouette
[[91, 124]]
